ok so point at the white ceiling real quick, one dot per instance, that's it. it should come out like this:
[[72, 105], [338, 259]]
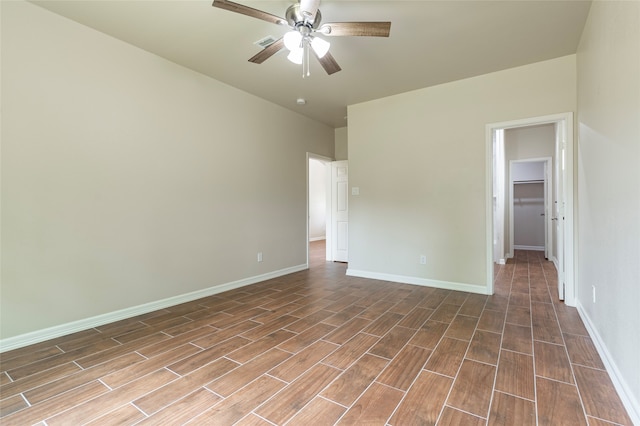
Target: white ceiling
[[431, 42]]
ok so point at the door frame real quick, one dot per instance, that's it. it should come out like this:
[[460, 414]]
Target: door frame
[[548, 201], [565, 143], [327, 162]]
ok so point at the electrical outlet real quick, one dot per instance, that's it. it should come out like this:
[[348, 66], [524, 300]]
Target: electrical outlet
[[423, 259], [259, 256], [593, 291]]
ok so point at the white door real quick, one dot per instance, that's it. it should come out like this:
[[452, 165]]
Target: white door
[[548, 210], [339, 211], [559, 207]]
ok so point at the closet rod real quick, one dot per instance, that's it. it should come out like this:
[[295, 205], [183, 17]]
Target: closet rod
[[519, 182]]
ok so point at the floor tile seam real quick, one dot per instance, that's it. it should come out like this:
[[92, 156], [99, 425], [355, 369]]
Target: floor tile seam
[[500, 349], [401, 349], [609, 422], [391, 360], [268, 372], [321, 338], [518, 324], [8, 372], [533, 359], [170, 403], [35, 385], [24, 398], [259, 416], [49, 416], [181, 376], [375, 379], [99, 380], [105, 415], [8, 377], [333, 366], [571, 365], [549, 343], [411, 386], [346, 407], [268, 400], [82, 371], [186, 356], [481, 362], [588, 366], [516, 396], [486, 419], [352, 363], [556, 380], [495, 373], [356, 399], [580, 393]]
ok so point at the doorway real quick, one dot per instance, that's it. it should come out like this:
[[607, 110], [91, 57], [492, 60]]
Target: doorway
[[530, 201], [560, 212], [318, 202]]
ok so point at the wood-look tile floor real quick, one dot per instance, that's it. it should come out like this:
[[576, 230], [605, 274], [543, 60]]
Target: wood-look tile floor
[[318, 347]]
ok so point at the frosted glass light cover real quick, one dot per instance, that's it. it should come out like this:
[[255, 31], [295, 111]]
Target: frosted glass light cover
[[295, 55], [320, 46], [292, 40]]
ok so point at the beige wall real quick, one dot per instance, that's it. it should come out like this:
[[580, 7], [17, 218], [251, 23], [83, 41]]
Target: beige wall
[[341, 144], [127, 179], [609, 183], [419, 161]]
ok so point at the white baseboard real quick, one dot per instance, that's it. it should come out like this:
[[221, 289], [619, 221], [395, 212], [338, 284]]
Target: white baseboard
[[628, 400], [470, 288], [534, 248], [311, 239], [96, 321], [502, 261]]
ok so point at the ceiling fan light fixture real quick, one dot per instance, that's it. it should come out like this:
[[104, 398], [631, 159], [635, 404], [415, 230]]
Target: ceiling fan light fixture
[[296, 55], [292, 40], [320, 46]]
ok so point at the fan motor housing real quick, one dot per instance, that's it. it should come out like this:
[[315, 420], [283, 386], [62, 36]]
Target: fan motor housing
[[296, 18]]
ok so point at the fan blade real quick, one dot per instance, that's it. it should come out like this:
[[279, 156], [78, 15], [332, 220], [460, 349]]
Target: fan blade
[[328, 62], [249, 11], [367, 29], [267, 52]]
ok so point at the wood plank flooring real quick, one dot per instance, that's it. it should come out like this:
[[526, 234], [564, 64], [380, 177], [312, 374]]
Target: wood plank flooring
[[318, 347]]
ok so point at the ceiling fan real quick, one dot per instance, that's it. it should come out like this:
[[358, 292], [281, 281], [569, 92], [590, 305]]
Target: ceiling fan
[[304, 20]]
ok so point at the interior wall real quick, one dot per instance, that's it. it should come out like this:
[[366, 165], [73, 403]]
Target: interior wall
[[317, 200], [127, 179], [419, 161], [341, 144], [608, 62], [524, 143]]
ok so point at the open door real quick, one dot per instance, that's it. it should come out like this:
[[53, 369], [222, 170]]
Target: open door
[[339, 211], [559, 208]]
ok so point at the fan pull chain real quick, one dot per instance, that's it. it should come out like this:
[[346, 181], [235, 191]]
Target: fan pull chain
[[305, 58]]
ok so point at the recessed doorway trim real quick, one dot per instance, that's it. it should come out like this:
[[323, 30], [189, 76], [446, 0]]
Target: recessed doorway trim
[[564, 143], [327, 162]]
